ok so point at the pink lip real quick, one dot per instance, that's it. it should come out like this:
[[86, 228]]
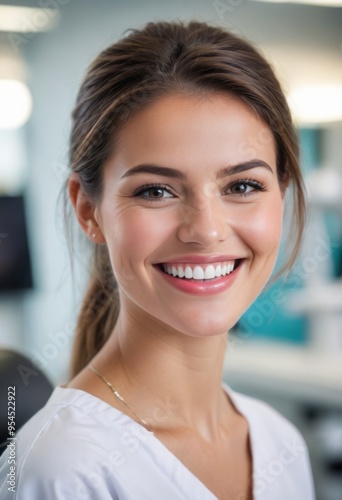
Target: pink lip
[[202, 259], [209, 287]]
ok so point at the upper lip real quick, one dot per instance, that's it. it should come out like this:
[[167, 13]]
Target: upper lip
[[202, 259]]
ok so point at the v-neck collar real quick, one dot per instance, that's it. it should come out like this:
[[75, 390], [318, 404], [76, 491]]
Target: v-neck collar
[[209, 495], [199, 489]]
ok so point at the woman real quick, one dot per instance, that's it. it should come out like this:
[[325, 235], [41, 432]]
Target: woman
[[182, 149]]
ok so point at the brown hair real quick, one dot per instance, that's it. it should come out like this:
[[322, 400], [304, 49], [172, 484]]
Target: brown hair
[[164, 58]]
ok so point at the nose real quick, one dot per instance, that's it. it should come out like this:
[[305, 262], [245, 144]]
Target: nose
[[205, 224]]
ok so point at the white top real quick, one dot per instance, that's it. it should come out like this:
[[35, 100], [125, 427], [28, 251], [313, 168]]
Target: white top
[[79, 447]]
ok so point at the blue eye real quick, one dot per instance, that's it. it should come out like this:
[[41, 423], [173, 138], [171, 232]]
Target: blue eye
[[153, 192]]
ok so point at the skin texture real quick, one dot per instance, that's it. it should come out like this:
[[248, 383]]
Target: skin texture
[[198, 138], [166, 352]]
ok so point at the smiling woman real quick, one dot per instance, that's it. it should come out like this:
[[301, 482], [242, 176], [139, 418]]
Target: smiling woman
[[182, 149], [194, 210]]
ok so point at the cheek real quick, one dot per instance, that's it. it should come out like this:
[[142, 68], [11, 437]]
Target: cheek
[[261, 228], [132, 238], [268, 228]]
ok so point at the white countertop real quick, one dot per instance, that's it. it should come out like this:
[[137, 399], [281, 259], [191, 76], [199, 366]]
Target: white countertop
[[293, 371]]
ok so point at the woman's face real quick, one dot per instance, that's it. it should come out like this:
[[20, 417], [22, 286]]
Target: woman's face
[[192, 213]]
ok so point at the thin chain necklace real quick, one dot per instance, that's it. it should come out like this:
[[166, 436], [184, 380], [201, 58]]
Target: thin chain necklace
[[118, 396]]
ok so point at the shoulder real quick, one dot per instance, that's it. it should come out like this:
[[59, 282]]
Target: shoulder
[[67, 448], [263, 417], [281, 459]]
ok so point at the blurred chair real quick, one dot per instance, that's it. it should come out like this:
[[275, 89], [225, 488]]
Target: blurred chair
[[32, 390]]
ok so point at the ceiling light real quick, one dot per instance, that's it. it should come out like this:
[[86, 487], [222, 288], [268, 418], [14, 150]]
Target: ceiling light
[[316, 104], [15, 104], [27, 19]]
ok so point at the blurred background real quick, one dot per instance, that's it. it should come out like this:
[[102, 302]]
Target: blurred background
[[287, 348]]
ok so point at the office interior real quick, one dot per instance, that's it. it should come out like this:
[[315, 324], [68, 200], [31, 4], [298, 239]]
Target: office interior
[[287, 348]]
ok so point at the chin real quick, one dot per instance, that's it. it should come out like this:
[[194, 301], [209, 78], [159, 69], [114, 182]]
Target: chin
[[206, 328]]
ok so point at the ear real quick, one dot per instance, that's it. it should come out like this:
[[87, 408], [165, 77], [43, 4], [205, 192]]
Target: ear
[[85, 210]]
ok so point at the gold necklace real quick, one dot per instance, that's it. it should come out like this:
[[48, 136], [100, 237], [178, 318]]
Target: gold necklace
[[117, 395]]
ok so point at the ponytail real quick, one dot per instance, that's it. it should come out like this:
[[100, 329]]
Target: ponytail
[[98, 314]]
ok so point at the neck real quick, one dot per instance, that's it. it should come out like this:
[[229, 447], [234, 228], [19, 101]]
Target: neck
[[170, 378]]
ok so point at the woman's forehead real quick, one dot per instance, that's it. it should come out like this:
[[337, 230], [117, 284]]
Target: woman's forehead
[[183, 130]]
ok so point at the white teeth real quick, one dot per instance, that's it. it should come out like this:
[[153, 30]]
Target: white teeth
[[230, 267], [209, 273], [188, 272], [180, 272], [218, 270], [200, 272]]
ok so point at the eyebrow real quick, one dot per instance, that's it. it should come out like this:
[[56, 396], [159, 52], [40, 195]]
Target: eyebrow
[[242, 167], [151, 168]]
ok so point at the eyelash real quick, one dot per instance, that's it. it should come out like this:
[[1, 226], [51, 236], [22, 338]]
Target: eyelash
[[258, 186], [146, 187]]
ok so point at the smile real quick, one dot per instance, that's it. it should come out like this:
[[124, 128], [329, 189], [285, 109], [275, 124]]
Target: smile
[[199, 272], [201, 279]]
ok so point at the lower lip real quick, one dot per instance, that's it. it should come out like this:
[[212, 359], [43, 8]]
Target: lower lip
[[212, 287]]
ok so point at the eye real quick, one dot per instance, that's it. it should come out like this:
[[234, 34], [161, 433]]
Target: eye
[[245, 187], [153, 192], [241, 188]]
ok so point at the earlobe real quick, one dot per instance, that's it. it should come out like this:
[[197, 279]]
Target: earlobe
[[84, 209]]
